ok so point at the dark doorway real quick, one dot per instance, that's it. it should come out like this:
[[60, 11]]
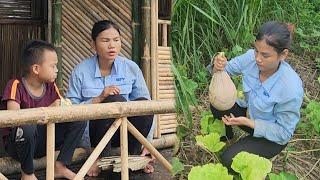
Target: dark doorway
[[20, 21]]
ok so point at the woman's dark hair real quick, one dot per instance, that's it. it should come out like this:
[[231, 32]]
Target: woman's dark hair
[[33, 53], [100, 26], [276, 34]]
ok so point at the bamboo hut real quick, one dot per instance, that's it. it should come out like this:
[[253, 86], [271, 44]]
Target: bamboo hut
[[145, 30]]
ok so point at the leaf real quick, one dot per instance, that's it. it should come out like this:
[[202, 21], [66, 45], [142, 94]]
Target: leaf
[[251, 166], [209, 172], [209, 125], [177, 166], [282, 176], [211, 142]]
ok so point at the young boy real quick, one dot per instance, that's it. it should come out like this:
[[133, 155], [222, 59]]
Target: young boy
[[37, 89]]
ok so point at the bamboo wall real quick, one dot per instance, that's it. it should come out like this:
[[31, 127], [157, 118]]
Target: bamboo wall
[[78, 18]]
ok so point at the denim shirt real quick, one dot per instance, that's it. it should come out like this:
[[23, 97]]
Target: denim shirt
[[86, 83], [275, 104]]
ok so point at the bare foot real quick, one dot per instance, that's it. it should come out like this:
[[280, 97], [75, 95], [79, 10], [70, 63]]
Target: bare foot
[[25, 176], [61, 171], [94, 170], [145, 152], [148, 169]]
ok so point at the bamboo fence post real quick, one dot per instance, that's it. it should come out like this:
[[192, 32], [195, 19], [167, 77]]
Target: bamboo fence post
[[164, 35], [146, 43], [56, 39], [149, 146], [49, 31], [124, 149], [136, 28], [3, 177], [97, 151], [50, 151]]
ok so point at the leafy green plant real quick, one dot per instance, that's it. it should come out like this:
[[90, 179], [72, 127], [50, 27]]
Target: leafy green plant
[[210, 125], [282, 176], [210, 142], [209, 172], [177, 166], [251, 166], [312, 112]]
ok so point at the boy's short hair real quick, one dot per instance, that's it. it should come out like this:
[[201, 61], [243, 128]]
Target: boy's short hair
[[32, 54]]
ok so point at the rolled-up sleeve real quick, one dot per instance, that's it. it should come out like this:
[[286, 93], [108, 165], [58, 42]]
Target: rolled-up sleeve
[[287, 116]]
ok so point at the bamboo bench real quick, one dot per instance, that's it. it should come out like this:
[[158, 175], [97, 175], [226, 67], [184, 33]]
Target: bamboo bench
[[118, 110]]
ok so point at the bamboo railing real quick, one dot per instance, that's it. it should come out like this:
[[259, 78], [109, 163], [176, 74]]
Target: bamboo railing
[[118, 110]]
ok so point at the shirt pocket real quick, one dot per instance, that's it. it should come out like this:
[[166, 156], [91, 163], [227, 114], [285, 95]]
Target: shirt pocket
[[91, 92], [263, 108], [125, 86]]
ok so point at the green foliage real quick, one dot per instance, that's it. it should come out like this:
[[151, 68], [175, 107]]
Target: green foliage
[[209, 172], [185, 92], [312, 112], [210, 142], [251, 166], [282, 176], [210, 125], [177, 166]]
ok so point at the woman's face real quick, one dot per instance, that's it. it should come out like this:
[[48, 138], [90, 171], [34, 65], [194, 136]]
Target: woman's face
[[108, 44], [267, 57]]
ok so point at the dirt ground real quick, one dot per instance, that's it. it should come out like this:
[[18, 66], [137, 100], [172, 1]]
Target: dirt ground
[[159, 174]]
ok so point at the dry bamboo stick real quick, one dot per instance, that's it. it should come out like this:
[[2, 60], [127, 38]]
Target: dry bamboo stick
[[168, 126], [165, 118], [164, 61], [166, 82], [168, 87], [166, 78], [164, 52], [165, 66], [124, 149], [161, 21], [166, 122], [97, 151], [122, 9], [164, 35], [162, 48], [167, 131], [164, 70], [167, 91], [164, 57], [167, 96], [149, 146], [50, 151], [43, 115], [168, 74]]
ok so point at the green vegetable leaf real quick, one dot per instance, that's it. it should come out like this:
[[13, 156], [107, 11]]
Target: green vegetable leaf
[[251, 166], [209, 125], [177, 166], [209, 172], [210, 142], [282, 176]]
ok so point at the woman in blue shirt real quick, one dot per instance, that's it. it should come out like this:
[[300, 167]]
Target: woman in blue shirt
[[273, 95], [107, 77]]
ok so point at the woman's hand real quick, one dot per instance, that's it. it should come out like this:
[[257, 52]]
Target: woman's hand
[[109, 90], [219, 63], [238, 121]]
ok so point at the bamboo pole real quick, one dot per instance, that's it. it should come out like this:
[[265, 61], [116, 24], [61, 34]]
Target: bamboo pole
[[149, 146], [49, 31], [50, 151], [97, 151], [44, 115], [56, 39], [145, 60], [2, 177], [136, 28], [164, 35], [124, 149]]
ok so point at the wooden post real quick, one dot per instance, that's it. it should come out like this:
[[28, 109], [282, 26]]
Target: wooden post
[[149, 146], [49, 30], [124, 149], [2, 177], [164, 35], [97, 151], [145, 60], [50, 151], [136, 28], [56, 39]]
